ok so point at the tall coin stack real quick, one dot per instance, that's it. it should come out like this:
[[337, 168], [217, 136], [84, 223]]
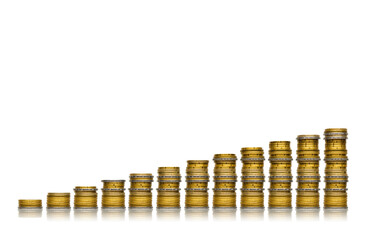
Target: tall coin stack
[[225, 179], [169, 179], [280, 192], [197, 179], [58, 200], [336, 177], [308, 176], [85, 197], [252, 177], [140, 190], [113, 194]]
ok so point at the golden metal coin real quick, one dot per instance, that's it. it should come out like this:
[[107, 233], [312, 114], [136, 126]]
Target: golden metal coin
[[30, 203]]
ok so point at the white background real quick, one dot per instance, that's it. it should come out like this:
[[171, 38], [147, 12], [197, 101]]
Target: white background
[[93, 90]]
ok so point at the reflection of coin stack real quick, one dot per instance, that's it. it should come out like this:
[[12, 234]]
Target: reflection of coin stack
[[85, 197], [197, 179], [308, 176], [252, 177], [113, 194], [30, 204], [336, 177], [225, 179], [169, 179], [140, 190], [58, 200], [280, 192]]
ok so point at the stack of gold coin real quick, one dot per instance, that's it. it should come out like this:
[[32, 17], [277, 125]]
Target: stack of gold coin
[[58, 200], [140, 190], [336, 177], [308, 176], [169, 179], [280, 192], [225, 179], [252, 177], [197, 179], [113, 194], [30, 204], [85, 197]]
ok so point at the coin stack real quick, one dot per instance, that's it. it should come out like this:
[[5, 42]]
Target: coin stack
[[30, 204], [336, 177], [85, 197], [225, 179], [58, 200], [308, 176], [140, 190], [252, 177], [197, 179], [169, 179], [113, 194], [280, 192]]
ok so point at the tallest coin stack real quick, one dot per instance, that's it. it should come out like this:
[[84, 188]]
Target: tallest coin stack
[[336, 177]]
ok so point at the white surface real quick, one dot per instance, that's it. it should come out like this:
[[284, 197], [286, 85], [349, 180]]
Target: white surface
[[93, 90]]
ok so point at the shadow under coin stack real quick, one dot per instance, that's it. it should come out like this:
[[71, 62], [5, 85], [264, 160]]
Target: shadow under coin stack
[[140, 190], [169, 179], [85, 197], [336, 177], [197, 179], [30, 204], [252, 177], [225, 179], [58, 200], [113, 194], [280, 192], [308, 176]]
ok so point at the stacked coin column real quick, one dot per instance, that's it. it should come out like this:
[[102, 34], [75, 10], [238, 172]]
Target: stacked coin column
[[280, 192], [85, 197], [308, 176], [30, 204], [140, 190], [336, 177], [113, 194], [169, 179], [252, 177], [197, 179], [58, 200], [225, 179]]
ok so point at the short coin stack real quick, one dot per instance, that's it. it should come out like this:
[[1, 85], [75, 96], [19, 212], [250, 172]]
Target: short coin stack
[[280, 192], [169, 179], [197, 179], [30, 204], [85, 197], [252, 177], [308, 176], [58, 200], [140, 190], [336, 177], [225, 179], [113, 194]]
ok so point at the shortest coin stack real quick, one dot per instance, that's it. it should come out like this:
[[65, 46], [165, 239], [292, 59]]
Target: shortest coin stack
[[252, 177], [336, 177], [197, 179], [85, 197], [169, 179], [30, 204], [225, 179], [140, 190], [58, 200], [113, 194]]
